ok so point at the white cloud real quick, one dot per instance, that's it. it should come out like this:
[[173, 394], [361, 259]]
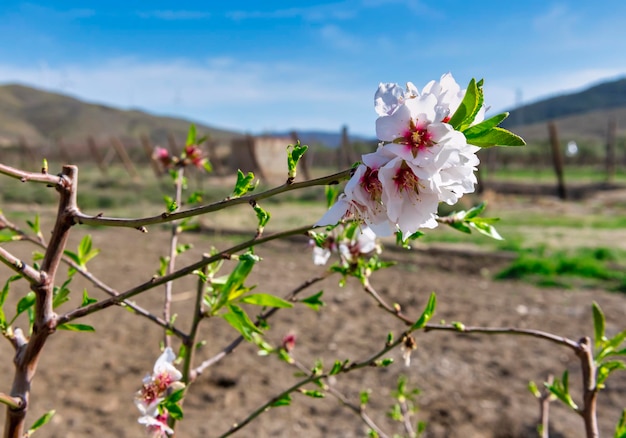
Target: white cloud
[[340, 39], [224, 92], [172, 15]]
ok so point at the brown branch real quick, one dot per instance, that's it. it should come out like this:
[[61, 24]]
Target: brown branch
[[235, 343], [152, 283], [38, 240], [28, 272], [28, 352], [44, 178], [590, 389], [83, 218]]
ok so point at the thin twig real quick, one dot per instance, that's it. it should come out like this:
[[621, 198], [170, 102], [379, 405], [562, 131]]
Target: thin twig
[[95, 307], [11, 402], [43, 178], [171, 263], [235, 343], [38, 240], [358, 410], [346, 368], [83, 218], [28, 272]]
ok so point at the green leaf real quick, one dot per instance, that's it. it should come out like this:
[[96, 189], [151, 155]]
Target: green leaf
[[240, 321], [427, 314], [265, 300], [76, 327], [191, 135], [283, 400], [24, 303], [7, 235], [606, 368], [175, 396], [41, 421], [560, 388], [483, 127], [263, 217], [3, 296], [338, 367], [497, 137], [61, 295], [482, 226], [312, 394], [364, 397], [35, 225], [294, 153], [331, 192], [233, 287], [598, 325], [475, 210], [244, 184], [87, 299], [314, 301], [620, 428], [174, 410], [384, 362], [170, 204], [467, 106], [532, 387]]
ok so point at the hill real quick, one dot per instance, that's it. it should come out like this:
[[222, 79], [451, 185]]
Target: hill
[[41, 116], [582, 116]]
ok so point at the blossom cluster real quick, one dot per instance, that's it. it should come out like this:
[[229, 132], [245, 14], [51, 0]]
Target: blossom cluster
[[192, 155], [349, 242], [421, 160], [156, 386]]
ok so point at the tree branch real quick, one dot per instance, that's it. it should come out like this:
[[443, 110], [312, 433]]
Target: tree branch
[[85, 219], [43, 178], [83, 311]]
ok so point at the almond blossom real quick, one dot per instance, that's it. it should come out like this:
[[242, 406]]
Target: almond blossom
[[156, 387], [421, 161]]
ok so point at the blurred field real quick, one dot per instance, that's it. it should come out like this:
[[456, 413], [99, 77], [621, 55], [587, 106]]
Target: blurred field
[[472, 386]]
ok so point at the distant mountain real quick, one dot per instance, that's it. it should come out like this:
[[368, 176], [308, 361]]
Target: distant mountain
[[607, 95], [580, 116], [327, 139], [41, 116]]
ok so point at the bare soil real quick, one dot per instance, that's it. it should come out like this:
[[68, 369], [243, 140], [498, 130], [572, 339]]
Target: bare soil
[[471, 385]]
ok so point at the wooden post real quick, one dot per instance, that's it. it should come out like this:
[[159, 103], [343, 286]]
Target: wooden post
[[149, 150], [610, 149], [95, 153], [126, 161], [305, 160], [557, 160]]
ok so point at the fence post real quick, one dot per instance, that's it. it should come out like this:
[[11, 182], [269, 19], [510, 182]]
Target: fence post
[[557, 160], [149, 150], [610, 149], [126, 161], [95, 153]]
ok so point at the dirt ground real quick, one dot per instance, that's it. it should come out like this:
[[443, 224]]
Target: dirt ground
[[471, 385]]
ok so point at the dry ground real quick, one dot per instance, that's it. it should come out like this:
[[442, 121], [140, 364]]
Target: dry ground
[[472, 386]]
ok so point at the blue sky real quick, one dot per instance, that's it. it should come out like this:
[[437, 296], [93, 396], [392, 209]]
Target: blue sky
[[267, 65]]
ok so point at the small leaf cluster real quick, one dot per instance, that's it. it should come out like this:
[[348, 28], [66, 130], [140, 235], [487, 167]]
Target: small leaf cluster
[[486, 133]]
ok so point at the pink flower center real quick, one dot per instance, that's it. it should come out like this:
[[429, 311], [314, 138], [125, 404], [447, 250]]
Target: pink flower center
[[417, 138], [405, 179], [371, 184]]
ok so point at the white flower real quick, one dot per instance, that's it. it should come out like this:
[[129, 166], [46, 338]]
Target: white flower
[[156, 426], [164, 378], [164, 367], [421, 161]]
